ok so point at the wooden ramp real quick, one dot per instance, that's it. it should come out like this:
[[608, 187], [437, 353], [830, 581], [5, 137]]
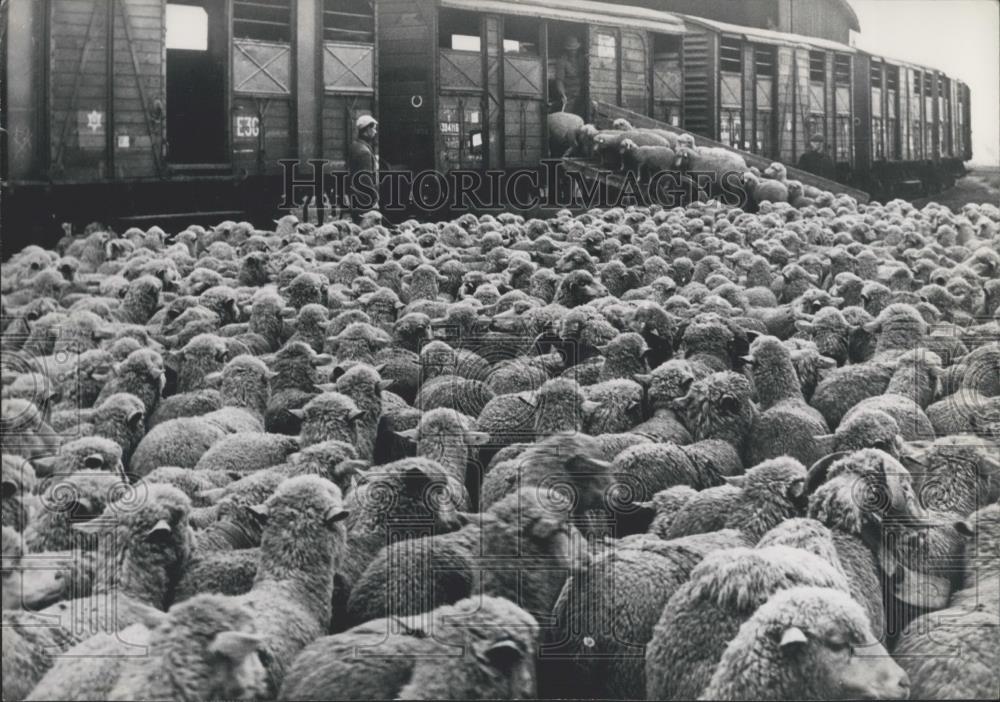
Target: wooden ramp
[[604, 114]]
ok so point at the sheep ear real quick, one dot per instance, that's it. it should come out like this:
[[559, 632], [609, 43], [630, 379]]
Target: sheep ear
[[871, 327], [325, 387], [589, 406], [44, 465], [410, 434], [161, 528], [804, 326], [335, 514], [817, 472], [297, 413], [964, 527], [355, 415], [380, 368], [729, 403], [415, 480], [135, 419], [477, 438], [739, 481], [10, 489], [644, 379], [259, 512], [792, 637], [502, 655], [235, 645], [386, 384], [213, 380]]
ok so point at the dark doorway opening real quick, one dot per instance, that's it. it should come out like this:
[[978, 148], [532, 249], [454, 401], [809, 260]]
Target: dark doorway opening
[[196, 83]]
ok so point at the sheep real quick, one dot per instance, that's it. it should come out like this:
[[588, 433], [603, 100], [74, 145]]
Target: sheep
[[786, 425], [570, 460], [798, 645], [150, 543], [209, 638], [910, 389], [18, 484], [645, 161], [520, 532], [182, 442], [246, 452], [90, 453], [142, 374], [290, 601], [497, 642], [667, 383], [605, 614], [330, 415], [950, 653], [703, 615], [857, 495], [959, 474], [767, 493], [562, 130]]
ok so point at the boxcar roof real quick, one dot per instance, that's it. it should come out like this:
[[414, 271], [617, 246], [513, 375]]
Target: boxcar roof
[[768, 36], [583, 11]]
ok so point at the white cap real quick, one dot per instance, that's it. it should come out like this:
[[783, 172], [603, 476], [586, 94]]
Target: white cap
[[364, 121]]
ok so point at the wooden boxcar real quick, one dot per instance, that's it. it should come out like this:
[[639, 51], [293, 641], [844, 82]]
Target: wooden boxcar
[[767, 92], [916, 136], [464, 84], [187, 104]]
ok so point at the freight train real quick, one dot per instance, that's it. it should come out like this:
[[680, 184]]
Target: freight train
[[145, 109]]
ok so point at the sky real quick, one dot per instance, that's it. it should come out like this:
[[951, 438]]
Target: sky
[[959, 37]]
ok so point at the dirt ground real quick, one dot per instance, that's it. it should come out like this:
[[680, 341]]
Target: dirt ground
[[982, 185]]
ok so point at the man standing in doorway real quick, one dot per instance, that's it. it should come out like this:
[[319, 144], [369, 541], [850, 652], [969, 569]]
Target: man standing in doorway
[[362, 168], [816, 160], [569, 74]]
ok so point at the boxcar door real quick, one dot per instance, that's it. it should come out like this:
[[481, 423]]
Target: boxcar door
[[197, 48], [523, 93], [667, 79], [106, 88], [462, 138], [603, 65]]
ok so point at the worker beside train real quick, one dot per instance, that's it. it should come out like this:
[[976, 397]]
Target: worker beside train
[[816, 160], [362, 168]]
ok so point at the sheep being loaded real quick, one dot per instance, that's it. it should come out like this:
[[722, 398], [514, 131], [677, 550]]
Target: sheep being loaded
[[563, 129]]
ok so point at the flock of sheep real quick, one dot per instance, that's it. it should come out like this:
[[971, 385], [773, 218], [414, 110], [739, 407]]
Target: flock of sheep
[[627, 453]]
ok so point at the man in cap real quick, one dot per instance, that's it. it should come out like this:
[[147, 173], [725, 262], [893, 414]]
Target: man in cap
[[816, 159], [362, 168], [567, 91]]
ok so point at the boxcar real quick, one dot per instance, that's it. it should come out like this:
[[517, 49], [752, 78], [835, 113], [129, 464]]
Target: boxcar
[[464, 83], [187, 104], [767, 92], [916, 137]]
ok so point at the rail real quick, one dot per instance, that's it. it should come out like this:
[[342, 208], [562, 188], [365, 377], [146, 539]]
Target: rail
[[604, 114]]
